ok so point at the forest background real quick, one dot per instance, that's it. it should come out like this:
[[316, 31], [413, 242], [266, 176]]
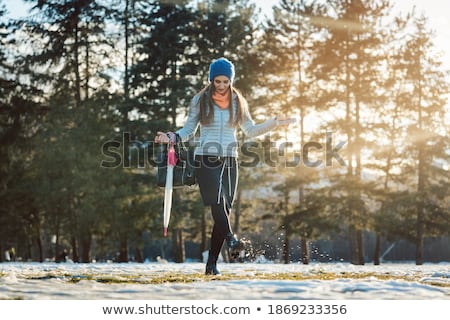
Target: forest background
[[85, 83]]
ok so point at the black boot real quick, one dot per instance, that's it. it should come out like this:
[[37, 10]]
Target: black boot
[[235, 245], [211, 266]]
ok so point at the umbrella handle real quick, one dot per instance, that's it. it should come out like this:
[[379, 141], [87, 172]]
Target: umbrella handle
[[171, 156]]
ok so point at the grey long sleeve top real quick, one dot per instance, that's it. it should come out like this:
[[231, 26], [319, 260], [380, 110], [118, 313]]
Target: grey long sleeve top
[[219, 138]]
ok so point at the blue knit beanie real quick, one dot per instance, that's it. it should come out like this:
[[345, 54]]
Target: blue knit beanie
[[221, 67]]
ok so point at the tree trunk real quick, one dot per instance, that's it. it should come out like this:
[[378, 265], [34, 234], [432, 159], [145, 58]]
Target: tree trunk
[[40, 249], [29, 246], [360, 244], [75, 256], [305, 250], [126, 79], [178, 246], [56, 254], [420, 205], [123, 249], [76, 46], [87, 67], [138, 255], [419, 235], [356, 246], [286, 244], [85, 249], [225, 252], [181, 246], [377, 251]]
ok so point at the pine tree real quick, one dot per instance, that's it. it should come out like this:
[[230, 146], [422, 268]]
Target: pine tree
[[20, 116], [69, 44], [424, 106], [348, 69], [388, 136], [287, 49]]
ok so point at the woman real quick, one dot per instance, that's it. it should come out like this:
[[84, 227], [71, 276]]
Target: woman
[[219, 109]]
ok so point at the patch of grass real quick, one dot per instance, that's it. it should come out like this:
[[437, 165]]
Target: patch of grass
[[162, 278], [14, 298]]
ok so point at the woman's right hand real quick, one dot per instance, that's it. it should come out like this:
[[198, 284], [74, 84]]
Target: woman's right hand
[[161, 137], [284, 121]]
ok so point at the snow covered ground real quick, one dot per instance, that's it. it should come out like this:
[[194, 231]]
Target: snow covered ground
[[264, 281]]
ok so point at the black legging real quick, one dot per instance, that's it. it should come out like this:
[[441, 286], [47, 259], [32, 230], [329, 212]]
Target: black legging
[[217, 179], [221, 227]]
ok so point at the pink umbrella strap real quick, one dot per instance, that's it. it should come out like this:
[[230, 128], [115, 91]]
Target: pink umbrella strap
[[171, 156]]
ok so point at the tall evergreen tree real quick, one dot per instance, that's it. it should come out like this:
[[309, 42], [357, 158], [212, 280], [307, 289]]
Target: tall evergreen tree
[[68, 60], [288, 48], [20, 115], [388, 136], [424, 107], [349, 68]]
